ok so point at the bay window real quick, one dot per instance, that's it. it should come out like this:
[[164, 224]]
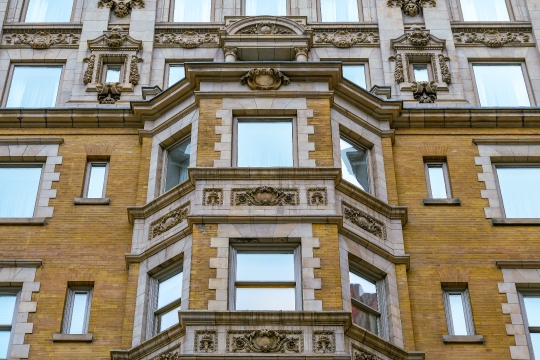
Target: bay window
[[355, 164], [366, 311], [177, 164]]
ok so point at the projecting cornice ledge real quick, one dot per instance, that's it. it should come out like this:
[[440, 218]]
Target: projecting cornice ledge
[[518, 264], [21, 263]]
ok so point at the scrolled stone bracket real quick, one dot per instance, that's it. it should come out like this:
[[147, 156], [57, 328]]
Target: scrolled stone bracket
[[425, 92]]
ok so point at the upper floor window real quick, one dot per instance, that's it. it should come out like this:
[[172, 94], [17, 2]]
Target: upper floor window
[[19, 186], [266, 7], [531, 318], [520, 190], [339, 10], [355, 164], [176, 73], [49, 11], [264, 143], [484, 10], [364, 302], [192, 11], [356, 74], [438, 180], [77, 310], [96, 179], [501, 85], [420, 72], [8, 302], [34, 86], [177, 164], [112, 73], [169, 297], [458, 312]]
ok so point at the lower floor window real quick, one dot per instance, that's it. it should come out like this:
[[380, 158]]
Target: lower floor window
[[520, 191], [168, 300], [19, 187], [532, 323], [77, 311], [7, 315], [365, 303]]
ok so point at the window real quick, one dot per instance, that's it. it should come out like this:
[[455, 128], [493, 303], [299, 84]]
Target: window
[[355, 74], [192, 11], [176, 73], [420, 72], [49, 11], [177, 163], [484, 10], [112, 73], [264, 143], [8, 304], [520, 190], [265, 279], [19, 186], [501, 85], [339, 10], [77, 311], [96, 180], [438, 180], [355, 164], [531, 319], [364, 302], [34, 86], [457, 306], [265, 7], [168, 300]]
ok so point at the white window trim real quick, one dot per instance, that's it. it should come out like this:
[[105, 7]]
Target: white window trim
[[87, 177], [446, 177], [17, 292], [465, 298], [528, 329], [68, 311]]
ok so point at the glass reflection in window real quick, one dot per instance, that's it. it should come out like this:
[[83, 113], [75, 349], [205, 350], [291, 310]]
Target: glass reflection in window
[[49, 11], [484, 10], [354, 165], [501, 85], [113, 73], [177, 164], [365, 293], [169, 292], [18, 191], [176, 73], [437, 182], [34, 86], [192, 11], [420, 72], [355, 74], [339, 10], [265, 144], [520, 191], [266, 7], [7, 309]]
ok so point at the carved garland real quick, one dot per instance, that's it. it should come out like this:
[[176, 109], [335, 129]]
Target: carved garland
[[411, 7], [364, 355], [317, 196], [264, 196], [41, 39], [205, 341], [265, 341], [167, 222], [121, 8], [445, 71], [89, 73], [212, 197], [398, 71], [171, 354], [134, 76], [364, 221], [187, 39], [324, 342], [418, 37], [491, 38], [345, 39]]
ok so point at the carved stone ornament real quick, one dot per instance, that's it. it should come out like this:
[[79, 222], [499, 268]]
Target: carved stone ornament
[[116, 37], [445, 71], [212, 197], [205, 341], [345, 39], [324, 342], [230, 51], [121, 8], [171, 354], [89, 72], [424, 91], [364, 221], [265, 28], [167, 222], [399, 76], [364, 355], [317, 196], [264, 196], [264, 79], [187, 39], [134, 76], [265, 341], [41, 39], [411, 7], [109, 93], [492, 38], [301, 52], [418, 37]]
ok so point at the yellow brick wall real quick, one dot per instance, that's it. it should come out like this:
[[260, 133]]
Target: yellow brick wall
[[322, 137], [207, 132], [329, 273], [201, 252]]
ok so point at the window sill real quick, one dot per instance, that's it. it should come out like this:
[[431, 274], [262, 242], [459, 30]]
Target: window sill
[[463, 339], [23, 221], [451, 201], [73, 337], [524, 221], [93, 201]]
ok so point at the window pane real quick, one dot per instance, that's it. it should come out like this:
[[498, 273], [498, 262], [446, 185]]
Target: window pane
[[96, 180], [176, 73], [265, 299], [18, 191], [7, 307], [177, 164], [265, 7], [265, 144], [34, 86], [437, 182], [168, 319], [363, 291], [192, 11], [339, 10], [421, 72], [265, 267], [484, 10], [365, 320], [354, 165], [49, 11], [169, 290], [4, 343], [520, 190], [535, 337], [355, 74], [532, 307], [501, 85], [458, 314], [79, 313], [113, 73]]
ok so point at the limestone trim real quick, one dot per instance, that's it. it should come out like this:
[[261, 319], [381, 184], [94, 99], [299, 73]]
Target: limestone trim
[[121, 8], [41, 38], [265, 341], [493, 35], [513, 280], [411, 7], [25, 276], [518, 264], [188, 39], [346, 37], [31, 141], [324, 342]]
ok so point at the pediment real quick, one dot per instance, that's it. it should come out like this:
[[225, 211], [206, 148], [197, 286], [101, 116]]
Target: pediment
[[418, 39], [265, 25], [116, 39]]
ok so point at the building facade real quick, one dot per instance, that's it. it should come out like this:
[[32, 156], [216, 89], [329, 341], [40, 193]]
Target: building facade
[[345, 179]]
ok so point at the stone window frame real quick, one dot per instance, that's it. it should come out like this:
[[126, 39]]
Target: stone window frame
[[291, 246], [367, 74], [89, 164], [33, 164], [167, 71], [360, 14], [458, 12], [431, 74], [24, 10], [68, 307], [243, 8], [105, 67], [526, 77], [164, 156], [362, 143], [16, 290], [12, 65], [170, 16], [444, 164], [467, 308], [536, 329]]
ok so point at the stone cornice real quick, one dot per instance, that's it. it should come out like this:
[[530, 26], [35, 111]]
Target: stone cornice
[[503, 141], [382, 133], [292, 173], [32, 141], [22, 263], [518, 264]]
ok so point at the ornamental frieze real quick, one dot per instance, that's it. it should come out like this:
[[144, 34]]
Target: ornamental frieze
[[264, 196], [121, 8], [265, 341], [171, 354], [324, 342], [167, 222], [411, 7], [317, 196], [186, 39], [265, 28], [212, 197], [42, 39], [264, 79], [364, 355], [364, 221], [492, 38], [205, 341], [346, 39]]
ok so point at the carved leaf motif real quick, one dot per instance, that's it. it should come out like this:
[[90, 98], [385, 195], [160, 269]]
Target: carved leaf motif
[[168, 221], [363, 355], [266, 341], [364, 221], [345, 39], [398, 71], [445, 71], [41, 39], [265, 28], [418, 37], [205, 341], [169, 355], [187, 39], [317, 196], [424, 91], [134, 76], [324, 342], [411, 7], [89, 73], [264, 196], [121, 8], [492, 38], [116, 37], [109, 93]]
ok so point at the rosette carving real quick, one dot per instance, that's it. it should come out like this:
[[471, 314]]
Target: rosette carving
[[264, 79], [264, 196], [121, 8], [265, 341]]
